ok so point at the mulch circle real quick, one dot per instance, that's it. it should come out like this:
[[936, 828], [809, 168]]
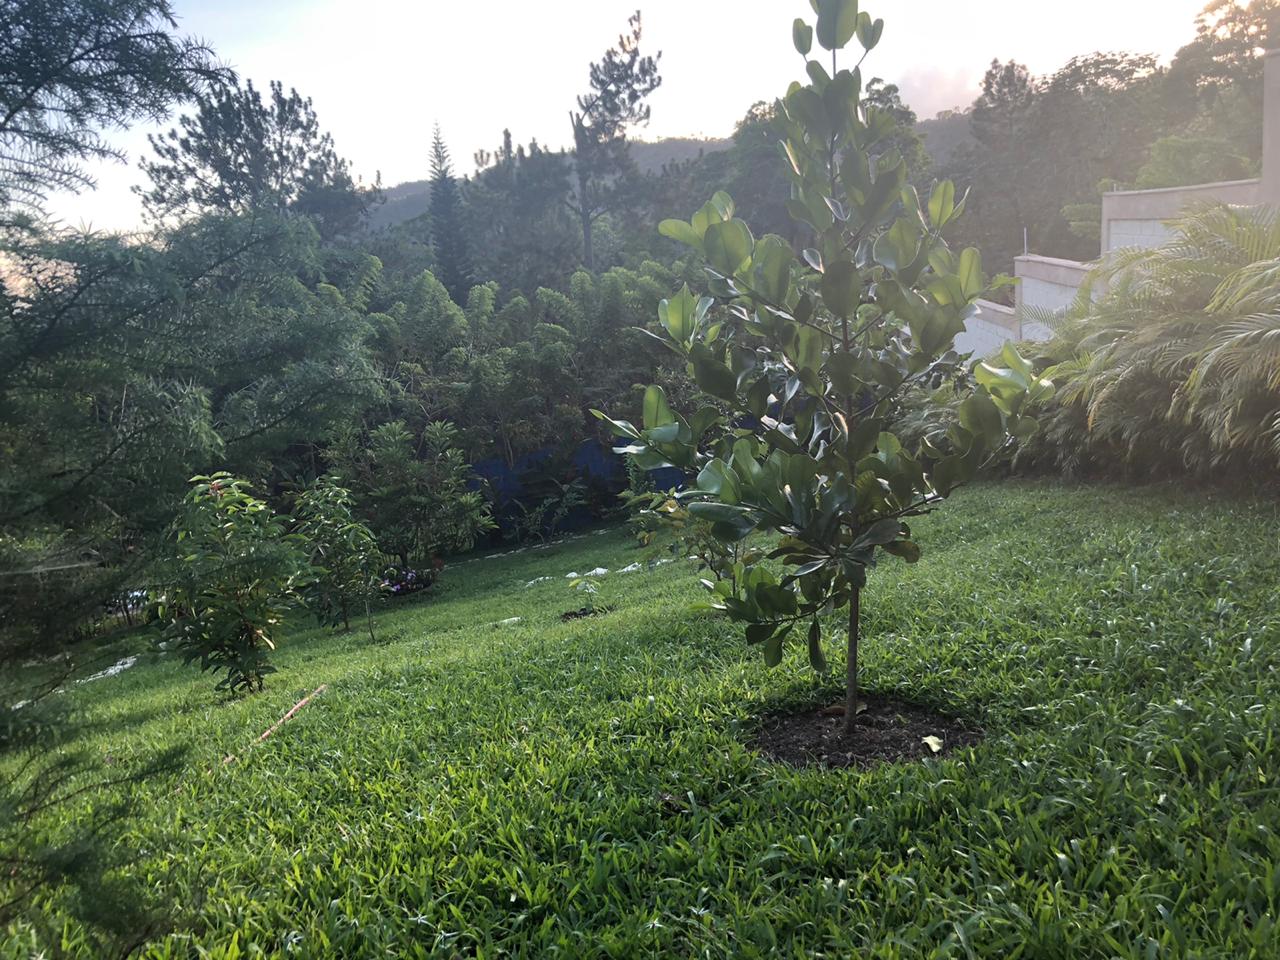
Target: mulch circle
[[888, 731]]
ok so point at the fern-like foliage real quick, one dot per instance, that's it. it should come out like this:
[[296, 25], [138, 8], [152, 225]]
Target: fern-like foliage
[[1171, 358]]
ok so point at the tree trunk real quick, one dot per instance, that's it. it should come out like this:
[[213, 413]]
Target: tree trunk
[[588, 253], [851, 667]]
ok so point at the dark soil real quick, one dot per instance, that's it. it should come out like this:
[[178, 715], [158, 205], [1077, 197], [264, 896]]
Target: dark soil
[[888, 731], [584, 612]]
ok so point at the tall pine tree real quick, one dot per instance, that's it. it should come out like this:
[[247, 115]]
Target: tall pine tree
[[448, 237]]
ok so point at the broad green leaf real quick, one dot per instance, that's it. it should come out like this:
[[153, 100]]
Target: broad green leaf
[[908, 550], [869, 31], [772, 269], [620, 428], [713, 375], [837, 23], [680, 232], [718, 480], [898, 246], [717, 512], [656, 410], [981, 417], [773, 648], [728, 246], [942, 204], [802, 37], [969, 273], [677, 315], [841, 288], [816, 658]]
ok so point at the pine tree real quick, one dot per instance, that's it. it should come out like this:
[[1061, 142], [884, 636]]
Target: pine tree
[[448, 237], [620, 82]]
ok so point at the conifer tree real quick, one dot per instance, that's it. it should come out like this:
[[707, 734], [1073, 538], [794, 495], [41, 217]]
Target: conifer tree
[[448, 238]]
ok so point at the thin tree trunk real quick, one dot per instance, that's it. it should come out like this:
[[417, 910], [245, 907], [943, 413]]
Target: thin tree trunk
[[588, 254], [851, 667]]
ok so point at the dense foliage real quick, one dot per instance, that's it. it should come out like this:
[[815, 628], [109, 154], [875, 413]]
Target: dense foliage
[[63, 82], [276, 321], [1170, 360]]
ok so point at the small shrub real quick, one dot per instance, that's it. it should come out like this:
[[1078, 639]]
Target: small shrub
[[343, 553], [237, 574]]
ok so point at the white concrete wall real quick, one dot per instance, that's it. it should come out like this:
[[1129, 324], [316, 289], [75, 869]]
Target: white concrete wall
[[1137, 233], [1139, 218], [1047, 283], [988, 331]]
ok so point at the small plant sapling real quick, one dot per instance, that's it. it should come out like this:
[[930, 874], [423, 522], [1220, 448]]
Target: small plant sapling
[[237, 574], [811, 357]]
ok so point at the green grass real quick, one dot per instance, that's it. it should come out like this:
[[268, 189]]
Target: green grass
[[471, 789]]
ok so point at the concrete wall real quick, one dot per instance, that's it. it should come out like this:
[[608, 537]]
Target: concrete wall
[[1048, 283], [1137, 218], [988, 331]]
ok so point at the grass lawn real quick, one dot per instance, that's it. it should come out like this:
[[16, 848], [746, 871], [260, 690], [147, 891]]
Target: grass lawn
[[585, 789]]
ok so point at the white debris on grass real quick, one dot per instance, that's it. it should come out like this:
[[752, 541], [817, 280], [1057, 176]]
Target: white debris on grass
[[536, 580], [631, 568], [572, 576], [597, 572], [509, 622], [118, 667]]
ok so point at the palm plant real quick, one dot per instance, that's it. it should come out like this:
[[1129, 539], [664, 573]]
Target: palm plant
[[1177, 362]]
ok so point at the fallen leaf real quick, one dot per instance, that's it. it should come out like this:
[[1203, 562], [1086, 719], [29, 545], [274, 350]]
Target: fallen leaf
[[933, 743]]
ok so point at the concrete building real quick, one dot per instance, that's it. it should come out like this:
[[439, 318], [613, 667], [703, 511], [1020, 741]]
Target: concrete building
[[1130, 218]]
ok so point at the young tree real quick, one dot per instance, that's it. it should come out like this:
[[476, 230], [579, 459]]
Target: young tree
[[448, 236], [620, 82], [71, 68], [238, 575], [414, 490], [811, 361], [344, 555], [237, 155]]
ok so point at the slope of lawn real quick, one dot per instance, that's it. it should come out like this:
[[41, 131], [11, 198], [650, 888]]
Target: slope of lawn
[[465, 788]]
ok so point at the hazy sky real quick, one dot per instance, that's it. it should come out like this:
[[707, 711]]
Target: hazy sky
[[380, 72]]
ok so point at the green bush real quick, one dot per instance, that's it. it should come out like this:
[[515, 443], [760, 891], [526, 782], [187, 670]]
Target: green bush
[[237, 573], [344, 555]]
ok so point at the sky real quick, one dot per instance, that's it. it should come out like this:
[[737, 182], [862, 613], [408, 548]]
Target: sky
[[382, 72]]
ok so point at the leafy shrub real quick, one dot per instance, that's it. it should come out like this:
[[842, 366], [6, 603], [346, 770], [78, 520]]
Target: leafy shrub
[[237, 575], [343, 553], [813, 358], [414, 491]]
